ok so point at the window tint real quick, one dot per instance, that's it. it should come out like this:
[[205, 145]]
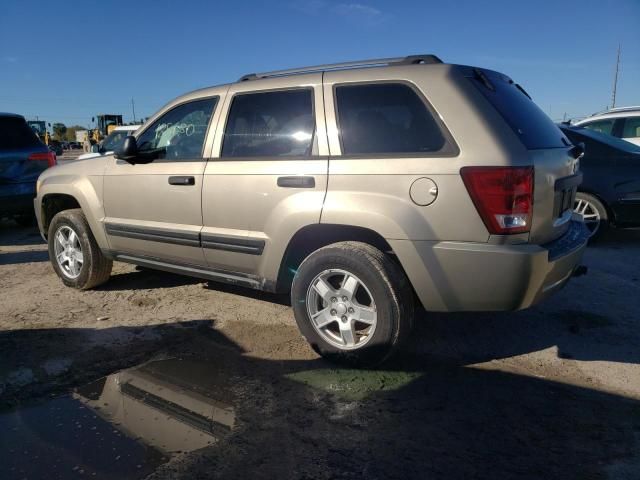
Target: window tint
[[16, 134], [532, 126], [631, 127], [179, 134], [115, 140], [270, 124], [385, 118], [602, 126]]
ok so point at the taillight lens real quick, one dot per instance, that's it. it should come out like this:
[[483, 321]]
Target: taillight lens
[[503, 197], [49, 157]]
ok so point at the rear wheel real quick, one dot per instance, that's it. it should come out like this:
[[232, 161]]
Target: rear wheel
[[353, 303], [594, 214], [74, 253]]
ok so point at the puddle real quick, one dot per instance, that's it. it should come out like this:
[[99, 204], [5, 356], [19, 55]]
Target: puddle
[[122, 426]]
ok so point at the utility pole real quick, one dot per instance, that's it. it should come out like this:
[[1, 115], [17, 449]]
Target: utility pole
[[615, 79], [133, 108]]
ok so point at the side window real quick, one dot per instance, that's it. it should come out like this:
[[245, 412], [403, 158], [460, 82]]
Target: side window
[[602, 126], [385, 118], [270, 124], [179, 134], [631, 127]]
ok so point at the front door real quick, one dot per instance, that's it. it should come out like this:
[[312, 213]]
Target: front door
[[154, 210]]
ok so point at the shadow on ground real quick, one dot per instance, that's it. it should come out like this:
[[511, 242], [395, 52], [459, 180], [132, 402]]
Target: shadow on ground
[[310, 419]]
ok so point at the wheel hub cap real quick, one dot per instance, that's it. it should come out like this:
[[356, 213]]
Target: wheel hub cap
[[342, 309], [68, 252]]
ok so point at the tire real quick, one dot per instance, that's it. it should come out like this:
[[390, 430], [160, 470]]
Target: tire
[[595, 213], [94, 269], [377, 278]]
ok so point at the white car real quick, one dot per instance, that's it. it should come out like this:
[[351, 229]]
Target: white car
[[112, 141], [622, 122]]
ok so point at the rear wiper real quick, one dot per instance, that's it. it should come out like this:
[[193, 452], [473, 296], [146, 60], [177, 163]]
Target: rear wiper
[[523, 91]]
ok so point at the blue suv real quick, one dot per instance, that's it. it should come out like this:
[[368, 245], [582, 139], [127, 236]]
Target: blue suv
[[23, 157]]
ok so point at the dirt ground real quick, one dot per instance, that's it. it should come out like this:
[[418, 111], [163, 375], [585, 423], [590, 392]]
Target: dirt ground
[[550, 392]]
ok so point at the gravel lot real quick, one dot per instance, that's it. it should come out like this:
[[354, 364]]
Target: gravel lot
[[551, 392]]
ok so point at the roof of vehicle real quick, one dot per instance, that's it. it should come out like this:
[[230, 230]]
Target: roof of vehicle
[[613, 112], [6, 114], [601, 137]]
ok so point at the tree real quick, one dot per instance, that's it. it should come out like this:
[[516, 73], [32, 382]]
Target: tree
[[59, 131]]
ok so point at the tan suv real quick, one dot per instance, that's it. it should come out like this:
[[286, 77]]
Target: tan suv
[[357, 187]]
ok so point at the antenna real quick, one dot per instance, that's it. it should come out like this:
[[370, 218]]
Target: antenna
[[615, 79], [133, 107]]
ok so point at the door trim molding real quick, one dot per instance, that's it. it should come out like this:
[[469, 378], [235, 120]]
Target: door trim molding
[[248, 245], [191, 239], [230, 243]]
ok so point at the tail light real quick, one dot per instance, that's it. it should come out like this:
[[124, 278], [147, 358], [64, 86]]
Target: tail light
[[503, 197], [49, 157]]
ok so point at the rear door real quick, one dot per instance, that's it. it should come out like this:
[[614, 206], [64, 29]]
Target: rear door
[[268, 176], [154, 210]]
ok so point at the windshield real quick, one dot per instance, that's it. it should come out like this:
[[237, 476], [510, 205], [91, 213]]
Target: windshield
[[534, 128], [612, 141], [114, 140]]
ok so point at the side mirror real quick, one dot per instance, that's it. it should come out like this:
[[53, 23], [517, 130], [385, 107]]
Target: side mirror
[[129, 150]]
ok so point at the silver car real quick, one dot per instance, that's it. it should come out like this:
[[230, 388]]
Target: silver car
[[361, 188]]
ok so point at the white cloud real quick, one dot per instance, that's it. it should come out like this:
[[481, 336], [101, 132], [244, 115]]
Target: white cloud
[[360, 13]]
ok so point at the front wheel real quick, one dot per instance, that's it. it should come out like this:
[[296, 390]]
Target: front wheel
[[353, 303], [74, 252]]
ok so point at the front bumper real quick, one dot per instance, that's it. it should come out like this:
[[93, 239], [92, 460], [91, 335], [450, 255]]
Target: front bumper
[[458, 276]]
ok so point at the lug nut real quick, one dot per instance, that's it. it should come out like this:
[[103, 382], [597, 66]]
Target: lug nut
[[334, 299], [351, 310], [344, 318], [333, 312], [344, 299]]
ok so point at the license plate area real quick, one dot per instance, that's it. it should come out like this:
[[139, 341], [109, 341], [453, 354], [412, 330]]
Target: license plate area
[[565, 194]]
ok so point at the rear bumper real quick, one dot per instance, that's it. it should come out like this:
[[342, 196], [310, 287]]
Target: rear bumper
[[457, 276], [17, 198]]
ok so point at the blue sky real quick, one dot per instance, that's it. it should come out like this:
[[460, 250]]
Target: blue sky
[[67, 61]]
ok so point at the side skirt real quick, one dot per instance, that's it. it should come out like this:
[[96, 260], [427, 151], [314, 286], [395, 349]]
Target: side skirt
[[233, 278]]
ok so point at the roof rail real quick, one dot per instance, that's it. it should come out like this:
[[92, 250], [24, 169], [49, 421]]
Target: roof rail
[[376, 62]]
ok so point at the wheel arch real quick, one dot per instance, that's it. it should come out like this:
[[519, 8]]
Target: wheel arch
[[312, 237]]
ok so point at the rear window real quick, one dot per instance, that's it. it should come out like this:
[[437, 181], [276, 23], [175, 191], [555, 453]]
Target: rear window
[[534, 128], [15, 134], [385, 118]]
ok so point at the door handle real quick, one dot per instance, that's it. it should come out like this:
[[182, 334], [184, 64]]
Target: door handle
[[182, 180], [297, 182]]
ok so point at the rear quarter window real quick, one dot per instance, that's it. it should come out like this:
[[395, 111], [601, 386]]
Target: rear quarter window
[[385, 118], [532, 126]]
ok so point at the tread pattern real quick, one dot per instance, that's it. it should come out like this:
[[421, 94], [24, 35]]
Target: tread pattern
[[99, 266]]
